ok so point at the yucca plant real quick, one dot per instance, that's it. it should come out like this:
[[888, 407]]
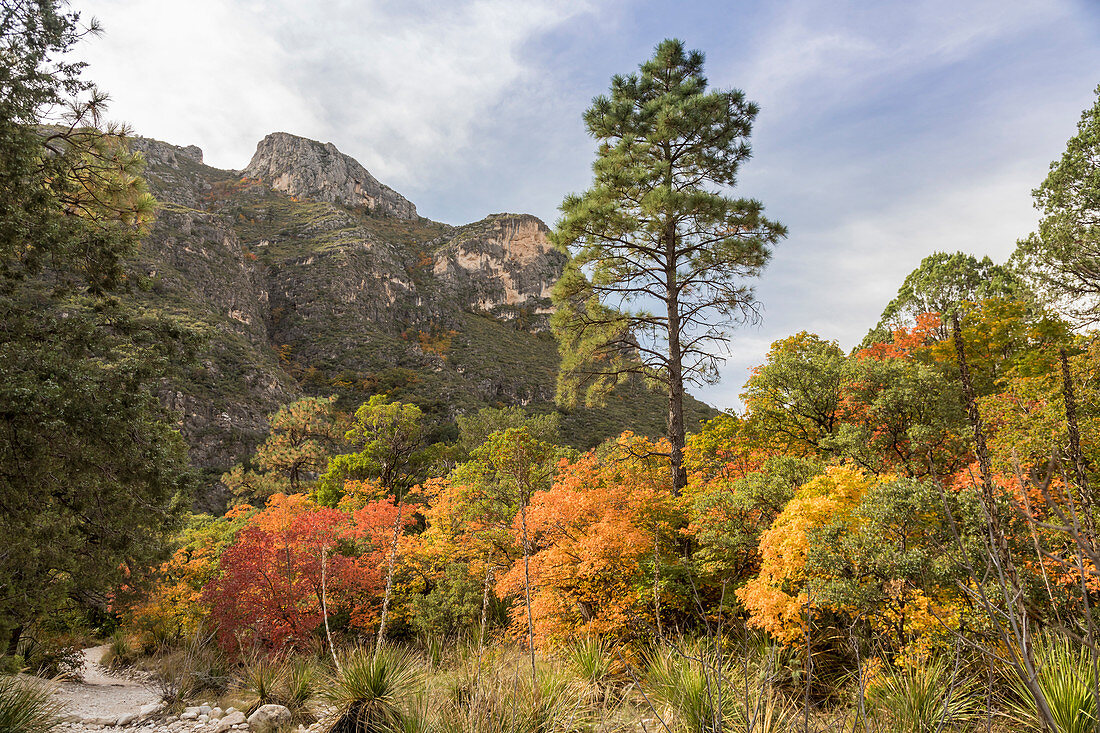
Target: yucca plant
[[262, 682], [1064, 675], [298, 690], [372, 690], [25, 707], [508, 702], [120, 652], [923, 697]]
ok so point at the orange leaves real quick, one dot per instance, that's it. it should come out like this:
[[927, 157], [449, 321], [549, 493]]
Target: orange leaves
[[269, 591], [594, 535]]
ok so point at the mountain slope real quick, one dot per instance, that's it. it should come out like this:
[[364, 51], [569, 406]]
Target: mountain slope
[[309, 276]]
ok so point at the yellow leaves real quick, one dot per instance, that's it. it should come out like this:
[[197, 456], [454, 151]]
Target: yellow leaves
[[775, 598]]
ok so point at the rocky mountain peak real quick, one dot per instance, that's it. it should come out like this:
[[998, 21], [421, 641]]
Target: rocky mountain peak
[[309, 169]]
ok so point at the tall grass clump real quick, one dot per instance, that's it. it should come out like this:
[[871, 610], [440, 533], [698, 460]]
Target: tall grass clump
[[374, 692], [298, 690], [25, 707], [1064, 675], [181, 674], [592, 662], [695, 689], [923, 697], [689, 689]]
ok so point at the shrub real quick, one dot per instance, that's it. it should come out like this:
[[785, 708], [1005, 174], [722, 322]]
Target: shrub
[[372, 692], [261, 682], [182, 674], [51, 656], [1064, 674], [25, 707], [922, 697]]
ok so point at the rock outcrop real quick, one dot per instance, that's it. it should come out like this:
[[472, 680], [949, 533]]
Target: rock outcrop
[[308, 169], [502, 265]]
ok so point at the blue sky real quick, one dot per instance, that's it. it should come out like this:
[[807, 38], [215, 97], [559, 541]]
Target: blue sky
[[888, 130]]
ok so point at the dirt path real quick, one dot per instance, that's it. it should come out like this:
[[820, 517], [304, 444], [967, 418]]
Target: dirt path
[[101, 696]]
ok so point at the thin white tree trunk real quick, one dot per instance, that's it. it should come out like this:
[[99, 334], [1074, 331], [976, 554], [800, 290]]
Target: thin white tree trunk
[[389, 578], [527, 591], [324, 605]]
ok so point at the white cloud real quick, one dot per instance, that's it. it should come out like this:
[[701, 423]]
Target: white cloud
[[818, 51], [399, 86]]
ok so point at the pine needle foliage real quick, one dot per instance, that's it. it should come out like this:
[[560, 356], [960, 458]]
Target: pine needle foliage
[[660, 251]]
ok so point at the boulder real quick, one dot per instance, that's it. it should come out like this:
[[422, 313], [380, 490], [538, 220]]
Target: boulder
[[231, 719], [149, 709], [269, 719]]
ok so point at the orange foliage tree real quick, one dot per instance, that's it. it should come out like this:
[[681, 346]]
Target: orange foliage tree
[[604, 540], [289, 563]]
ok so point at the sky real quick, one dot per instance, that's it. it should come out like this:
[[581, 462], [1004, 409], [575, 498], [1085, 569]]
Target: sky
[[888, 130]]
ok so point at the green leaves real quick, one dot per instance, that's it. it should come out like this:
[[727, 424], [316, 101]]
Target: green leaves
[[1062, 259], [660, 251]]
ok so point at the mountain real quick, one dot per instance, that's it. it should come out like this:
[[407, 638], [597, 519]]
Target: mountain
[[308, 276]]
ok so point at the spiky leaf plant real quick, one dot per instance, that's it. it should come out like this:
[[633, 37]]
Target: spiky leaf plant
[[298, 690], [689, 690], [262, 682], [923, 697], [372, 691], [25, 707], [1065, 677]]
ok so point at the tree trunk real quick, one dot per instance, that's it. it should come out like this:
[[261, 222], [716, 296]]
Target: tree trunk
[[975, 420], [389, 577], [676, 430], [324, 605], [527, 590], [1075, 454]]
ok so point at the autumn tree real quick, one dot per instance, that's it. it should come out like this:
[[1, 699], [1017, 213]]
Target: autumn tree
[[939, 284], [391, 439], [598, 539], [290, 564], [1062, 259], [660, 251]]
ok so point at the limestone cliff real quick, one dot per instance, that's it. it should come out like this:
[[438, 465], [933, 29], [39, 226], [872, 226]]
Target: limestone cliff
[[311, 170]]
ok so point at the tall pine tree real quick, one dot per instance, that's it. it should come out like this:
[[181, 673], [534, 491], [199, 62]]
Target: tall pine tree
[[660, 251]]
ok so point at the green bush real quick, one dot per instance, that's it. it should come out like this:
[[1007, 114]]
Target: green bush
[[374, 692]]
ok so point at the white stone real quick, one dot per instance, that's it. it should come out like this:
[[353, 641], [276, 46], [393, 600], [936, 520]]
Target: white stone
[[269, 719], [231, 720]]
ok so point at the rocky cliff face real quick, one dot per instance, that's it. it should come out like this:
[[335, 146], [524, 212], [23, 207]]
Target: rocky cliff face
[[503, 265], [307, 276], [311, 170]]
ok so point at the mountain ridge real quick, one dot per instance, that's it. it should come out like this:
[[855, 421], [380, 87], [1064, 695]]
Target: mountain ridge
[[304, 287]]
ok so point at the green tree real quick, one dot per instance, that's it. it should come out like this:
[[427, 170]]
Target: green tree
[[516, 465], [660, 252], [940, 284], [304, 436], [1062, 259], [92, 476], [793, 399], [475, 428]]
